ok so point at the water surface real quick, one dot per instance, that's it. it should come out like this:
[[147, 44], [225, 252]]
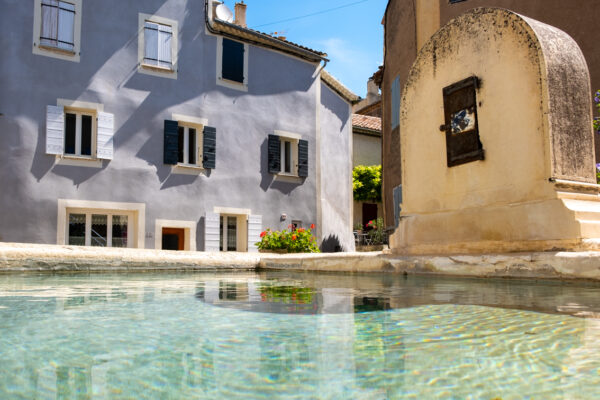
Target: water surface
[[296, 336]]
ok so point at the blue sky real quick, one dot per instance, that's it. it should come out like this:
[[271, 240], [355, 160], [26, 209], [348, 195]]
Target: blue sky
[[352, 34]]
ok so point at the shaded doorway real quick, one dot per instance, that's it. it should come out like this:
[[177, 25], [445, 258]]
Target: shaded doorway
[[173, 238]]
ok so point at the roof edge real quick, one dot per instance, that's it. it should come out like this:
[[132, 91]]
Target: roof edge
[[338, 87]]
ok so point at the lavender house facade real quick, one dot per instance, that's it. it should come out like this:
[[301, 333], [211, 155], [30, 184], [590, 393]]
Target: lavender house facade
[[156, 124]]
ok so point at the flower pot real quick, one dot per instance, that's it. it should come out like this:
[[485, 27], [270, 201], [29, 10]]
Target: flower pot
[[276, 251]]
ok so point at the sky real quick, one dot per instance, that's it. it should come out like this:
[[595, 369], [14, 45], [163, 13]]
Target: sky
[[349, 31]]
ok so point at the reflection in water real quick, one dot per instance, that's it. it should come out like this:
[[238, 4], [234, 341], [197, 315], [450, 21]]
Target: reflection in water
[[296, 336]]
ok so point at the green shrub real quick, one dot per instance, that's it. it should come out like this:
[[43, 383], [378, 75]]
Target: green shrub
[[366, 183]]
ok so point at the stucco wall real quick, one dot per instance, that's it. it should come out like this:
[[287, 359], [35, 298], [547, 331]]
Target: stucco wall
[[507, 196], [336, 171], [282, 95], [576, 17], [366, 150]]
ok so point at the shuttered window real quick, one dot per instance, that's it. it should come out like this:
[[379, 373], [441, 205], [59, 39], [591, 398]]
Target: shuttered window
[[187, 146], [157, 45], [58, 23], [461, 126], [233, 61], [79, 133], [287, 156]]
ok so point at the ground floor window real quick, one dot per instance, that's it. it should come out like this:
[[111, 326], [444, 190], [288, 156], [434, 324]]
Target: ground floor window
[[100, 223], [175, 235], [100, 230]]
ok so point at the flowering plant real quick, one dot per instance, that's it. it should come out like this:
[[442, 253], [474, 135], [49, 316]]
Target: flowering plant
[[294, 240], [377, 233]]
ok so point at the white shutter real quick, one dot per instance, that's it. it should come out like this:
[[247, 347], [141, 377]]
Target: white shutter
[[254, 230], [212, 232], [55, 130], [106, 123]]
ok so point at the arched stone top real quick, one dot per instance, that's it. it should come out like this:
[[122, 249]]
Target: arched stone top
[[545, 53]]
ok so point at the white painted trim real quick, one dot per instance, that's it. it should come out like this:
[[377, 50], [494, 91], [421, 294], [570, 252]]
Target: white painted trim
[[288, 178], [232, 211], [66, 55], [74, 161], [189, 120], [289, 135], [225, 82], [318, 105], [137, 210], [81, 105], [189, 242], [153, 69]]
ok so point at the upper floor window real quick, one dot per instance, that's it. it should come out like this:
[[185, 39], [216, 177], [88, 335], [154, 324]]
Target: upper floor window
[[232, 64], [58, 24], [188, 142], [287, 154], [157, 46], [79, 130], [57, 28]]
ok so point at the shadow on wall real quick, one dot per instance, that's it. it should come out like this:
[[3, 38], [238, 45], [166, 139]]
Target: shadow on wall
[[331, 244]]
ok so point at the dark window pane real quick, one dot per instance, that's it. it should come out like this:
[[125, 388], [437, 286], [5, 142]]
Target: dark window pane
[[233, 60], [221, 234], [192, 147], [119, 231], [77, 229], [180, 144], [231, 233], [288, 157], [70, 127], [99, 230], [86, 135]]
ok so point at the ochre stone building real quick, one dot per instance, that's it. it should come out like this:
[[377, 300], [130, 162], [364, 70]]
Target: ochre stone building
[[408, 26]]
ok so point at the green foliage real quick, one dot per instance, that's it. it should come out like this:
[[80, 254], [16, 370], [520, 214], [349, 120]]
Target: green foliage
[[287, 294], [366, 183], [293, 240]]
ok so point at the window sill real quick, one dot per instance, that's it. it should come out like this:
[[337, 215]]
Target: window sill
[[157, 68], [187, 169], [291, 178], [242, 86], [77, 161], [65, 52]]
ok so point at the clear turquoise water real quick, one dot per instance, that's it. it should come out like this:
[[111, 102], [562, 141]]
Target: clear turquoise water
[[303, 336]]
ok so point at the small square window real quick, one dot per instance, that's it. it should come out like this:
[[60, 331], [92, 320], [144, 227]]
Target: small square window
[[157, 46], [57, 28]]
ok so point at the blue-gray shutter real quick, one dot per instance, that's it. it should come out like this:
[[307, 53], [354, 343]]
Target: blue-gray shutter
[[209, 147], [233, 61], [396, 102], [274, 154], [302, 158], [171, 140]]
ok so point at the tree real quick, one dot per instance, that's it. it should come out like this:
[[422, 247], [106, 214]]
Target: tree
[[366, 183]]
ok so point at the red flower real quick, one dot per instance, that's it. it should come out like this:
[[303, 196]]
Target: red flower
[[300, 230], [263, 233], [312, 226], [293, 237]]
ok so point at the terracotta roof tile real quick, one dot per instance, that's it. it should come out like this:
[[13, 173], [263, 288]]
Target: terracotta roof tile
[[366, 122]]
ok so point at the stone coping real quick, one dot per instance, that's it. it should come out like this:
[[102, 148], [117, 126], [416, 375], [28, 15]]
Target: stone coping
[[18, 257]]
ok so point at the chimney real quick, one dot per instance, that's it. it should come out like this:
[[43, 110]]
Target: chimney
[[372, 92], [240, 14]]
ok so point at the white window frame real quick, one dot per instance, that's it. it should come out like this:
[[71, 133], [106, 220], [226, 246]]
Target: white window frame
[[189, 228], [78, 132], [56, 52], [136, 213], [226, 82], [293, 139], [156, 70]]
